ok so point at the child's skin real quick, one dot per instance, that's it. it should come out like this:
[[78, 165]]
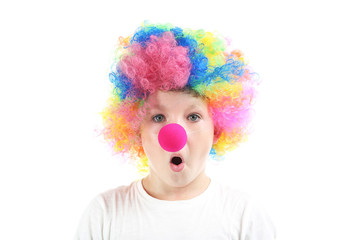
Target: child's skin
[[192, 114]]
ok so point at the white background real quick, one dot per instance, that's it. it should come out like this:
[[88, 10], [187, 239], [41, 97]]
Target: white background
[[301, 160]]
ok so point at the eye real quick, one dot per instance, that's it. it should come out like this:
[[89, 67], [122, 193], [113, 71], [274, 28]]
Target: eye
[[158, 118], [194, 117]]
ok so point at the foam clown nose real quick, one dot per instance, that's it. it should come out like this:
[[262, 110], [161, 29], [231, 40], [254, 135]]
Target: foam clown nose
[[172, 137]]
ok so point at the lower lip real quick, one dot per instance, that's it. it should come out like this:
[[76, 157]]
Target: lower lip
[[177, 168]]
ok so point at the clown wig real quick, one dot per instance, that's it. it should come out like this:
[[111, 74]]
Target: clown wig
[[167, 58]]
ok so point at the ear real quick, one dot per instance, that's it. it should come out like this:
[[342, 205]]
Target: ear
[[217, 135]]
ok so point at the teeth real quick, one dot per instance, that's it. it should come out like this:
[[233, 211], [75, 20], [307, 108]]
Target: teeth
[[176, 160]]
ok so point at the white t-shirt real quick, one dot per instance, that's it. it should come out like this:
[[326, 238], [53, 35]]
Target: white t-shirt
[[129, 212]]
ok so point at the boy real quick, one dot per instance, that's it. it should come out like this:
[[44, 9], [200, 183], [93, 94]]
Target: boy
[[178, 97]]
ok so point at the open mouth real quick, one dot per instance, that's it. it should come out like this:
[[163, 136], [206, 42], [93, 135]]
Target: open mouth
[[177, 164], [176, 160]]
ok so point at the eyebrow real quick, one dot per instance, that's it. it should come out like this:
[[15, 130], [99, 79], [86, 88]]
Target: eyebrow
[[161, 107], [158, 106]]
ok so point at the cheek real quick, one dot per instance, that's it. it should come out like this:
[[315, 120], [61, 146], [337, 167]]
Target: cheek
[[203, 134], [149, 135]]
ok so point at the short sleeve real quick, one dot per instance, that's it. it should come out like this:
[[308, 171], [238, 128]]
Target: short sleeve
[[91, 223], [257, 224]]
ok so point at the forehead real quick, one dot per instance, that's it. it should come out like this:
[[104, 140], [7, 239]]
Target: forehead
[[172, 99]]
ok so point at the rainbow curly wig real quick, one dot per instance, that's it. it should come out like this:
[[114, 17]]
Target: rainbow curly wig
[[167, 58]]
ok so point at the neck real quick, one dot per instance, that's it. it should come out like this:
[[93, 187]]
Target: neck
[[158, 189]]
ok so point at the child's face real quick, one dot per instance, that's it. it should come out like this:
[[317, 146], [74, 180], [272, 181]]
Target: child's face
[[192, 114]]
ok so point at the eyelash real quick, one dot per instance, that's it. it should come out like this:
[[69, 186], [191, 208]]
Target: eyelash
[[193, 114]]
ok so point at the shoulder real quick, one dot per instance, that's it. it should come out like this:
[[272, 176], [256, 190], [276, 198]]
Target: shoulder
[[232, 196], [237, 196], [102, 210], [111, 198], [117, 194], [248, 212]]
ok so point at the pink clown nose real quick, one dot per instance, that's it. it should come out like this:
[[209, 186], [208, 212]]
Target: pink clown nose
[[172, 137]]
